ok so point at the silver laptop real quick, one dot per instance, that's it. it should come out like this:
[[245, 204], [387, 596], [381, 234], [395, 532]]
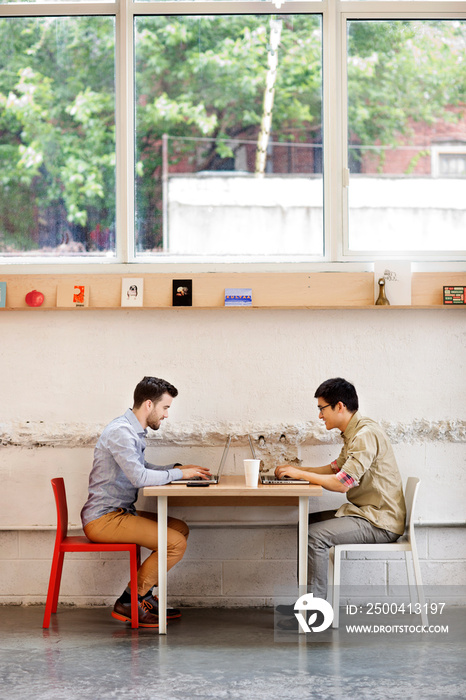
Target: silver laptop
[[214, 478], [268, 479]]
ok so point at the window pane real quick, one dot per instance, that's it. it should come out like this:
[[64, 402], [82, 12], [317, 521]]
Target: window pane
[[276, 3], [407, 135], [406, 0], [57, 149], [200, 186], [10, 2]]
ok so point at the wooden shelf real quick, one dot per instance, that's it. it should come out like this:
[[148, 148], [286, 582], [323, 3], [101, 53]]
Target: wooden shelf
[[314, 290]]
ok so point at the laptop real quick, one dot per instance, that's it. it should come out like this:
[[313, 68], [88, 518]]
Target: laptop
[[214, 478], [270, 479]]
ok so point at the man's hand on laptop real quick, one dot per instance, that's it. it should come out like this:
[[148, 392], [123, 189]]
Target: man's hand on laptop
[[284, 470], [190, 470]]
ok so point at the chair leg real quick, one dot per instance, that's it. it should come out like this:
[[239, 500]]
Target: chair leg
[[331, 557], [58, 574], [133, 565], [54, 588], [410, 574], [336, 586], [420, 590]]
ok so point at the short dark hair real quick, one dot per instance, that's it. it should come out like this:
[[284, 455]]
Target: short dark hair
[[152, 388], [338, 389]]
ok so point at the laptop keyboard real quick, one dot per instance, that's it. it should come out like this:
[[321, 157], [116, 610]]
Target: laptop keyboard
[[212, 480], [283, 480]]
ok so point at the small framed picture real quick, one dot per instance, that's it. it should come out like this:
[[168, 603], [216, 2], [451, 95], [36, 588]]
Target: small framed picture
[[132, 291], [182, 293], [397, 276], [72, 295], [238, 296], [2, 295], [454, 295]]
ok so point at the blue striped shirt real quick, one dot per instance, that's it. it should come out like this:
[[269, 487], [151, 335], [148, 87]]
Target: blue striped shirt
[[120, 470]]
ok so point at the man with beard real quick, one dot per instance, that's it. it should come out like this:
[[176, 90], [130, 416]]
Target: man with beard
[[119, 470]]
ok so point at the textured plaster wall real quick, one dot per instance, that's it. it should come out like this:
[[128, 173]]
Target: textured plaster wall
[[65, 374]]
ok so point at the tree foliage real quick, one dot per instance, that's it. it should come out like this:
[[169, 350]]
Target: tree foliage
[[198, 78], [57, 123], [401, 73], [205, 77]]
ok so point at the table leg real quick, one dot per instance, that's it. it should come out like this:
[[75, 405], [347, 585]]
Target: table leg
[[302, 541], [162, 561], [302, 546]]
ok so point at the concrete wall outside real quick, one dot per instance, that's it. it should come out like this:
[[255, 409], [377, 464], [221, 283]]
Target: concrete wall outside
[[231, 214]]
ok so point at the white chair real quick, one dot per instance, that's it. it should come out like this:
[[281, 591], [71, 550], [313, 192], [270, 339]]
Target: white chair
[[406, 543]]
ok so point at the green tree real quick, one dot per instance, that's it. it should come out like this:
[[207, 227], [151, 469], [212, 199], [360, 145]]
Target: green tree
[[205, 77], [401, 73], [196, 78], [57, 126]]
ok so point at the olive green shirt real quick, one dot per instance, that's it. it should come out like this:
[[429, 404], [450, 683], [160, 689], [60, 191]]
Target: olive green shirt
[[368, 457]]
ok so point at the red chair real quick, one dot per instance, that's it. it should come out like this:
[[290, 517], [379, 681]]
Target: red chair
[[64, 543]]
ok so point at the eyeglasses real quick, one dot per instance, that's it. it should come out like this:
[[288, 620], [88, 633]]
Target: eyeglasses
[[321, 408]]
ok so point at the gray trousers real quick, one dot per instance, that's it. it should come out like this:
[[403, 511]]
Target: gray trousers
[[325, 530]]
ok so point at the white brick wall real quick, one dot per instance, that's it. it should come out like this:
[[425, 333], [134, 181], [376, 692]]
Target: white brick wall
[[228, 567], [248, 371]]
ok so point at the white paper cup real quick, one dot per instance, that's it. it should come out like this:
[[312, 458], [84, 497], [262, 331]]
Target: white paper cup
[[251, 472]]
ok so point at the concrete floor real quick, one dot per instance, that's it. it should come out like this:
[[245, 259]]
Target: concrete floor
[[223, 654]]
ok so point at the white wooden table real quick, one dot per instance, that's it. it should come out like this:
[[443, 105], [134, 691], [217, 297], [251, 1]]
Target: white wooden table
[[231, 491]]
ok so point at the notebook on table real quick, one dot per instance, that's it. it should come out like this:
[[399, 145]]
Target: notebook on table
[[214, 478], [271, 479]]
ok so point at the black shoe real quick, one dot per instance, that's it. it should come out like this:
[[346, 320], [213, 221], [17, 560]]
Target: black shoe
[[287, 610], [289, 624], [152, 604]]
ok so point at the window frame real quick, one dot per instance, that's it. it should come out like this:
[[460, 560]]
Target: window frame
[[386, 12], [335, 14]]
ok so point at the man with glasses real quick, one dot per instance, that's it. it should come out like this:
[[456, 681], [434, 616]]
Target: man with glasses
[[365, 470]]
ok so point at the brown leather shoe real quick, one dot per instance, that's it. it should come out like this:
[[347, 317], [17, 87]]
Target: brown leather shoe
[[153, 601], [122, 611]]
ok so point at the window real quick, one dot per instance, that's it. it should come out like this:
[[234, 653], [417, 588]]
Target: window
[[57, 120], [449, 159], [406, 89], [229, 135], [168, 131]]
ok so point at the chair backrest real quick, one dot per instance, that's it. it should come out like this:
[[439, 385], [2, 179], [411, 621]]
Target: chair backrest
[[411, 490], [59, 492]]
